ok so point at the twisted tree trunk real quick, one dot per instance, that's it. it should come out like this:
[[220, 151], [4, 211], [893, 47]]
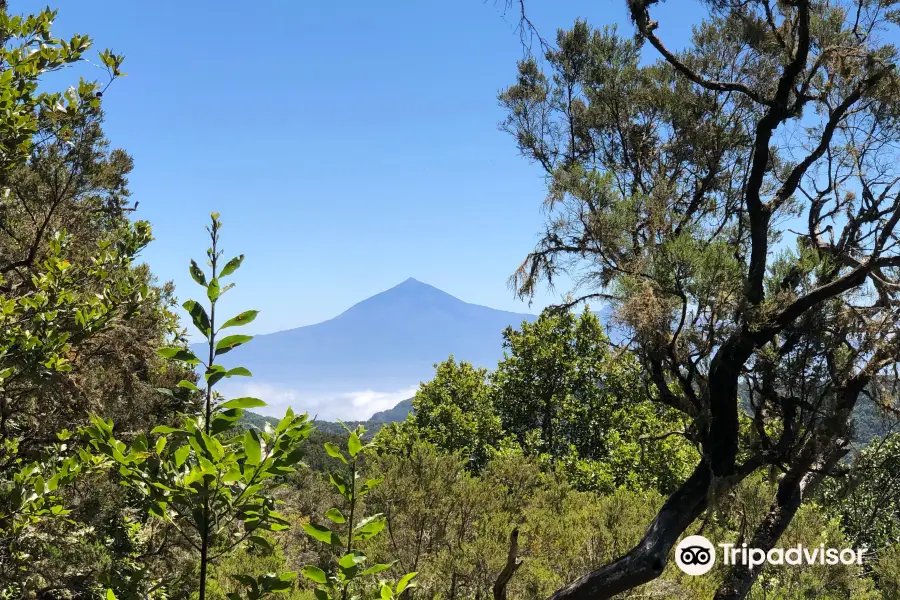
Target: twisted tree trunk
[[512, 565]]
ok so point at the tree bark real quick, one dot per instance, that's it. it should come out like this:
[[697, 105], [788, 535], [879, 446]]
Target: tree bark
[[646, 561], [792, 489], [512, 565], [823, 449], [784, 506]]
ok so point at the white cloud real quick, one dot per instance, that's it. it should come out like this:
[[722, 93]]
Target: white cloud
[[347, 406]]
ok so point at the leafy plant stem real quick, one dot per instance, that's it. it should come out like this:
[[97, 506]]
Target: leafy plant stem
[[352, 516], [204, 537]]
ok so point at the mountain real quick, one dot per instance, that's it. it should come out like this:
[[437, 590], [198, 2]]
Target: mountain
[[372, 355], [393, 415]]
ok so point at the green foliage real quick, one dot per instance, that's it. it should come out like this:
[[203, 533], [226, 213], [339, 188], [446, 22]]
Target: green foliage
[[453, 411], [30, 51], [249, 562], [67, 281], [350, 573], [867, 499], [741, 512], [454, 526], [31, 495], [40, 327], [563, 392], [887, 572], [206, 481], [685, 190], [553, 463]]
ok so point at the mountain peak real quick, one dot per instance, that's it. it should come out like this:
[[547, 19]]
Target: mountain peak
[[411, 282], [409, 295], [384, 344]]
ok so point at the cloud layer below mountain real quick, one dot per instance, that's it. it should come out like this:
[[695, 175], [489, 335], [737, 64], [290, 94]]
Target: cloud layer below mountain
[[371, 356], [346, 406]]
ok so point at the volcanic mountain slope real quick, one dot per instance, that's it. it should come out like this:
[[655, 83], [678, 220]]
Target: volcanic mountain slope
[[372, 355]]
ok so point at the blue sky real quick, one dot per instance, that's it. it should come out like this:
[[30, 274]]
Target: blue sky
[[348, 145]]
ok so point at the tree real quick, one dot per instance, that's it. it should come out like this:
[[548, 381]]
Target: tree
[[561, 394], [736, 204], [867, 497], [350, 572], [211, 487], [417, 497], [515, 528], [55, 173], [454, 411], [563, 391], [67, 281]]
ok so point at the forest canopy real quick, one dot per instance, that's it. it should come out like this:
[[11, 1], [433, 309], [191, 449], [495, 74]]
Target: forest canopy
[[729, 209]]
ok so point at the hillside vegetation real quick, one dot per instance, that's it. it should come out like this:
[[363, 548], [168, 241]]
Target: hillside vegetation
[[733, 206]]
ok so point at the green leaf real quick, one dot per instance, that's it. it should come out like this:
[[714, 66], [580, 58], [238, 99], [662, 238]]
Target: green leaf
[[376, 569], [370, 527], [184, 383], [158, 510], [321, 594], [323, 534], [164, 429], [160, 445], [286, 421], [338, 482], [352, 559], [242, 319], [232, 265], [225, 420], [239, 372], [206, 466], [336, 515], [261, 542], [213, 446], [230, 342], [182, 354], [272, 585], [353, 444], [181, 455], [252, 450], [214, 374], [404, 581], [243, 403], [198, 316], [368, 485], [334, 451], [197, 274], [233, 474], [213, 291], [314, 574], [110, 595], [386, 592]]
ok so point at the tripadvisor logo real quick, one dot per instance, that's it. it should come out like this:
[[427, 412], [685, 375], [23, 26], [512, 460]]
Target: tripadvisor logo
[[696, 555]]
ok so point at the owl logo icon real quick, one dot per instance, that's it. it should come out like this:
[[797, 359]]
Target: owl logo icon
[[695, 555]]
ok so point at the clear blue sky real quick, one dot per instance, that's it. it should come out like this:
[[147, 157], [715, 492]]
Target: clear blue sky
[[348, 145]]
